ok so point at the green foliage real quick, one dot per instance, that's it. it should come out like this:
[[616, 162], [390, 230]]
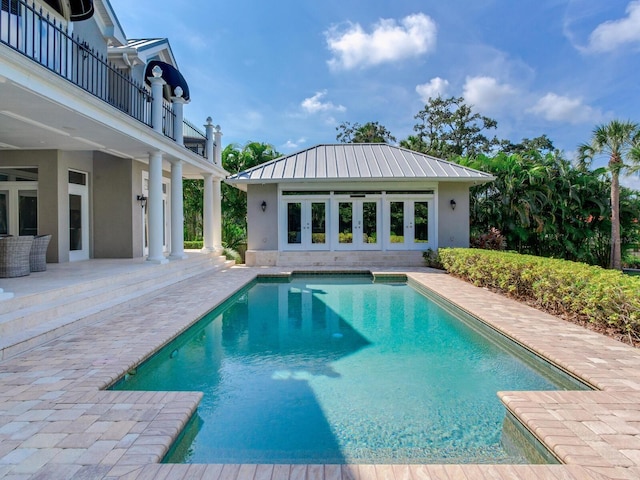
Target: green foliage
[[606, 298], [432, 258], [235, 159], [542, 206], [193, 244], [370, 132], [231, 254], [631, 261], [449, 128], [193, 193]]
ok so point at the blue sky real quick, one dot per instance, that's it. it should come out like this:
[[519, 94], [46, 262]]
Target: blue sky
[[288, 72]]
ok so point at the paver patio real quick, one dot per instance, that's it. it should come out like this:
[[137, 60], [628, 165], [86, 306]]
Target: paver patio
[[56, 421]]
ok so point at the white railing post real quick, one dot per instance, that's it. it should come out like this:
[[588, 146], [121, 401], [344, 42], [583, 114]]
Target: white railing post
[[218, 146], [177, 104], [157, 83], [210, 140]]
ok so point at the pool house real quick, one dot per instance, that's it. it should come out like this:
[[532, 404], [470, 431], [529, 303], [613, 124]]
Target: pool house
[[355, 204]]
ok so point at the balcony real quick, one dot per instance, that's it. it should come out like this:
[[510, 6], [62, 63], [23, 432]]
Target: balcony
[[32, 32]]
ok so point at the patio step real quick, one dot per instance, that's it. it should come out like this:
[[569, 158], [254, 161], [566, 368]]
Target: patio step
[[31, 320]]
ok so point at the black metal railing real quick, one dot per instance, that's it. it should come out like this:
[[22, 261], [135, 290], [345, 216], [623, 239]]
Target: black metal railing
[[31, 31], [194, 139], [168, 120]]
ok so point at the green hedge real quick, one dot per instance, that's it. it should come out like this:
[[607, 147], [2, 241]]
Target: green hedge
[[193, 244], [561, 287]]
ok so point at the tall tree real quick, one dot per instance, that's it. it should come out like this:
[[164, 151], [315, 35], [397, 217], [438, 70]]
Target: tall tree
[[620, 142], [449, 128], [370, 132]]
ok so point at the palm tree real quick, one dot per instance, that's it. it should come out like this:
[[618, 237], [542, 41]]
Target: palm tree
[[620, 141]]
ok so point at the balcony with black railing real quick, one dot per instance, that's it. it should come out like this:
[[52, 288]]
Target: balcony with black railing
[[33, 32]]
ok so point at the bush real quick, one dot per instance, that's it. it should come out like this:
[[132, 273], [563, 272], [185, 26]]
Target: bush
[[432, 258], [193, 244], [576, 291]]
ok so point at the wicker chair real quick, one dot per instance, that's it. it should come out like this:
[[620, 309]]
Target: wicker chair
[[38, 255], [14, 256]]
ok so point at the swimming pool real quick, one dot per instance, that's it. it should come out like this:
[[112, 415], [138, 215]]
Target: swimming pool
[[318, 369]]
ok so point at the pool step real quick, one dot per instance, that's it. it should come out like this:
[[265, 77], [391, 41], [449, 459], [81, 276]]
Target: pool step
[[351, 259], [31, 320]]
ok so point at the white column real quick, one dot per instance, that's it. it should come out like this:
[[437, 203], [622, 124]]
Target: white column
[[177, 212], [217, 215], [218, 146], [207, 213], [154, 209], [157, 83], [210, 139], [177, 104]]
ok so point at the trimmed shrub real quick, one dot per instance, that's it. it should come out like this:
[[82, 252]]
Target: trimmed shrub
[[193, 244], [576, 291]]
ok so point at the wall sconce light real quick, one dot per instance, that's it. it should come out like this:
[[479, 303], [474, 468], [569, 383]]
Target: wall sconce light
[[453, 204], [143, 200], [263, 205]]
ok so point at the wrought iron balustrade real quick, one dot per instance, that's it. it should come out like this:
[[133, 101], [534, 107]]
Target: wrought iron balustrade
[[31, 31], [194, 139]]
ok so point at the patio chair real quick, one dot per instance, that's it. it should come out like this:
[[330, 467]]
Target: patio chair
[[38, 255], [14, 256]]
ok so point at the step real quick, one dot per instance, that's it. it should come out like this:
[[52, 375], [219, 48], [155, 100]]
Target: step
[[41, 323], [351, 259]]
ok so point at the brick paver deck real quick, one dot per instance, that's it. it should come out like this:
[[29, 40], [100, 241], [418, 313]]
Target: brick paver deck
[[57, 421]]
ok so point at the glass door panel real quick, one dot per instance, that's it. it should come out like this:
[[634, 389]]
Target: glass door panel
[[345, 222], [318, 223], [78, 222], [4, 213], [27, 212], [421, 222], [294, 223], [396, 222], [369, 222], [75, 222]]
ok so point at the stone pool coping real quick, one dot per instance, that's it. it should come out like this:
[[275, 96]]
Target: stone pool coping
[[57, 421]]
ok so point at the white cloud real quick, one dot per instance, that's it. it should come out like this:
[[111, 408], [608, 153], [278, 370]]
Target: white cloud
[[436, 87], [486, 94], [559, 108], [609, 36], [389, 41], [315, 105], [293, 144]]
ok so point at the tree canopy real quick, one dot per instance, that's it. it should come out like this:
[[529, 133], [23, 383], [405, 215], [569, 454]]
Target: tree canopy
[[370, 132]]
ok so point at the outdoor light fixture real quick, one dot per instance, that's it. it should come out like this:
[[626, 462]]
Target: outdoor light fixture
[[263, 205], [143, 200], [453, 204]]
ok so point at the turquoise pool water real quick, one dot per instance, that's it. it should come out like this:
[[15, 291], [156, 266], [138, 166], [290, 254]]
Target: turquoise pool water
[[342, 369]]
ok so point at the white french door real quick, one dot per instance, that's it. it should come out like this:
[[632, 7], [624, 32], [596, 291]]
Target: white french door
[[305, 224], [410, 224], [357, 223]]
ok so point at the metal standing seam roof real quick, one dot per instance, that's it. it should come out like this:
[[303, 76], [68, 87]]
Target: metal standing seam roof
[[357, 161]]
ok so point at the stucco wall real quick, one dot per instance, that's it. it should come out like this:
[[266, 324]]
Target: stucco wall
[[112, 212], [262, 226], [88, 31], [453, 225], [48, 191]]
